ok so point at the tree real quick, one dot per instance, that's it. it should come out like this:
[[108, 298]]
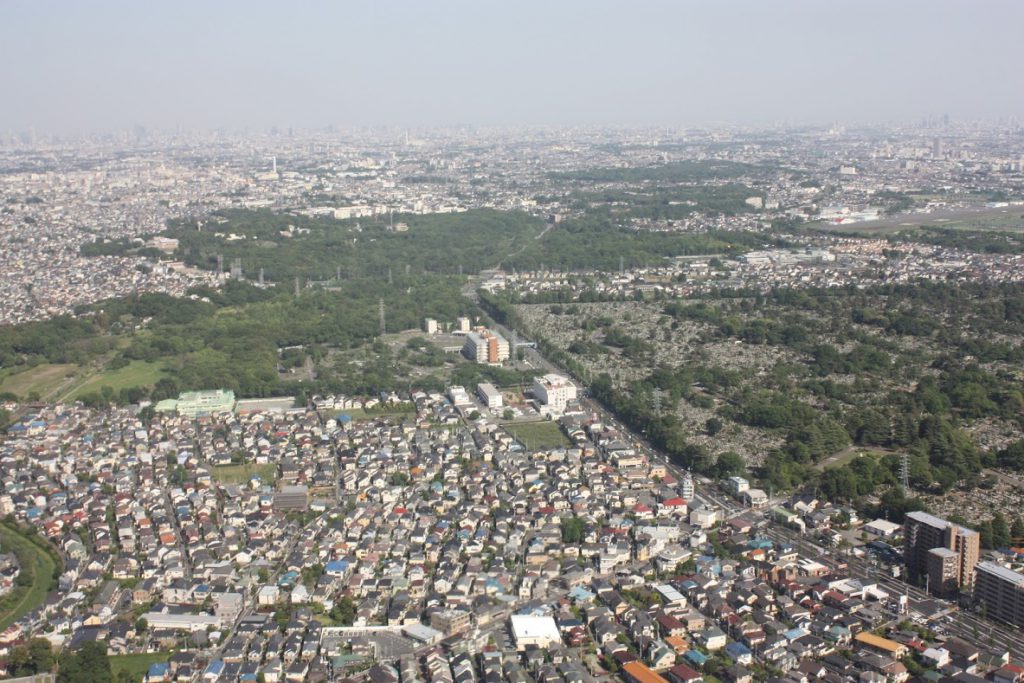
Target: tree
[[729, 463], [713, 426], [1000, 531], [344, 612], [88, 664], [1017, 530], [40, 654], [573, 530]]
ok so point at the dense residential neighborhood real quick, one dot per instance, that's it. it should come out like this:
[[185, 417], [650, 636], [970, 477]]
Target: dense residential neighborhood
[[419, 546]]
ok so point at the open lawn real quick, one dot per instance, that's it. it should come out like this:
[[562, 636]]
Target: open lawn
[[360, 415], [849, 454], [136, 374], [41, 379], [240, 474], [36, 563], [136, 665], [537, 435]]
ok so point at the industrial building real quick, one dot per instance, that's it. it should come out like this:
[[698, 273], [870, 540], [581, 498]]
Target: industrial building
[[940, 551]]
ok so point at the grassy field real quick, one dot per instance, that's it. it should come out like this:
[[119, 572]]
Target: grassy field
[[136, 665], [849, 454], [240, 474], [136, 374], [360, 415], [538, 435], [41, 379], [23, 600]]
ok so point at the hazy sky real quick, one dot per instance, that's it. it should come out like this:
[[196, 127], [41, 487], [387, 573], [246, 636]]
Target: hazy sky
[[84, 65]]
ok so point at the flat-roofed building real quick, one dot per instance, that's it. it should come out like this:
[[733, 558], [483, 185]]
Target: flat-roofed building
[[489, 395], [554, 392], [943, 571], [197, 403], [1001, 590], [485, 346], [536, 631], [450, 621], [292, 498], [922, 533]]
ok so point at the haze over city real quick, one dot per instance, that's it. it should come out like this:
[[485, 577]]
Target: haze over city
[[511, 342], [72, 67]]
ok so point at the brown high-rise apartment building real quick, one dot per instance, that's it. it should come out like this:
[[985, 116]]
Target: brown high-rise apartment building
[[943, 552]]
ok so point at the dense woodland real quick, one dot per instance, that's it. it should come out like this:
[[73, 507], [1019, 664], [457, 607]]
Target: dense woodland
[[322, 248]]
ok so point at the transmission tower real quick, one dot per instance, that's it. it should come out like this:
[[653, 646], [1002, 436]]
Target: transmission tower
[[905, 473], [656, 401], [389, 275], [383, 326], [296, 285]]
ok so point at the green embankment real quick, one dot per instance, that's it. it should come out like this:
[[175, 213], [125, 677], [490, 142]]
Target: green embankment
[[39, 565]]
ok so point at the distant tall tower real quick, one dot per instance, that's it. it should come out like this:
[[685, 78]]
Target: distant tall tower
[[389, 275], [383, 325], [273, 161], [236, 269], [220, 263], [261, 276], [337, 273], [296, 285]]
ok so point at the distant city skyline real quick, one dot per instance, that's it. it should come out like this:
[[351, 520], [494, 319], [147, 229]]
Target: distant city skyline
[[89, 67]]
